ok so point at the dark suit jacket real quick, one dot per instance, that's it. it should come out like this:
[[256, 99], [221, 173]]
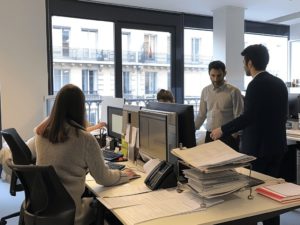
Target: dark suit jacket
[[264, 117]]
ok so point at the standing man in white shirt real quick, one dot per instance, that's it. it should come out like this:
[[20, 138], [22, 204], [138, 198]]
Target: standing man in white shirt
[[220, 103]]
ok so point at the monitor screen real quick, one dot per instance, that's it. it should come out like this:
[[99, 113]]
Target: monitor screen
[[185, 115], [293, 105], [114, 122], [158, 134]]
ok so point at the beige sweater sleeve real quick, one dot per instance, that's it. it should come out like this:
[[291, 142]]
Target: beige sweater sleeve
[[97, 167]]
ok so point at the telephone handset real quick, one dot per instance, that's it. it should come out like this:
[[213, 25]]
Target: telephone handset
[[162, 176]]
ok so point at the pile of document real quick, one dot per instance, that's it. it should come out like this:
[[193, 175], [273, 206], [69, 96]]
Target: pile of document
[[216, 184], [212, 171], [285, 192]]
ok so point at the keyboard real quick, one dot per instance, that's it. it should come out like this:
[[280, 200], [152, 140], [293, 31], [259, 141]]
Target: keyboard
[[110, 155], [115, 166]]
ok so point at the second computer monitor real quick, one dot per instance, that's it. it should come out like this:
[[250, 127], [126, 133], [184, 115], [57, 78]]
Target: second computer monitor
[[114, 122], [185, 116]]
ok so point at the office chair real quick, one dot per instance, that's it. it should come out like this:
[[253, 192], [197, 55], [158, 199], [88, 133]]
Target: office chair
[[21, 154], [47, 202]]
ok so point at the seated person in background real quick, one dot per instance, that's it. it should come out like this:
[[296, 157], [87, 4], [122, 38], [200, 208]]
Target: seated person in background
[[62, 141], [165, 96], [220, 103]]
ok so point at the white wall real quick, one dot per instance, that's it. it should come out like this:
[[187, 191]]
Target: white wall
[[23, 63]]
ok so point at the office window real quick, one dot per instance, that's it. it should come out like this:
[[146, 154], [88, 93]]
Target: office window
[[145, 64], [294, 76], [198, 52], [89, 81], [61, 78], [90, 60], [278, 51], [150, 83]]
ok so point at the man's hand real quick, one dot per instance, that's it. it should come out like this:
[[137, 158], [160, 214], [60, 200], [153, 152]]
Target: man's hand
[[216, 133]]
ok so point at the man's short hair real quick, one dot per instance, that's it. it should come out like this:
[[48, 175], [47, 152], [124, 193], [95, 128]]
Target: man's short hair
[[258, 54], [218, 65]]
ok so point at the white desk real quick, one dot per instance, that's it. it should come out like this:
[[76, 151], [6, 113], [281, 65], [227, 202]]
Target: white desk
[[295, 136], [235, 210]]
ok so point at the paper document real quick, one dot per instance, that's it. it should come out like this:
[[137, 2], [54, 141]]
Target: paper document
[[157, 209], [125, 189], [212, 155], [284, 192]]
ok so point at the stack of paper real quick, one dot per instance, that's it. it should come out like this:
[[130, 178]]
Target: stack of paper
[[211, 185], [213, 164], [284, 192], [213, 156]]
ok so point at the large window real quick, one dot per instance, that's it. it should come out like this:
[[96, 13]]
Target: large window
[[83, 54], [145, 64], [198, 52], [294, 77], [278, 51], [122, 48]]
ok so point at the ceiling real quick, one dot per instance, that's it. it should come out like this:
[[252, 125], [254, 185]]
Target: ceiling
[[270, 11]]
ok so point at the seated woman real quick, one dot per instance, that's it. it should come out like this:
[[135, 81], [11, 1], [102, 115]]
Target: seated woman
[[165, 96], [62, 141]]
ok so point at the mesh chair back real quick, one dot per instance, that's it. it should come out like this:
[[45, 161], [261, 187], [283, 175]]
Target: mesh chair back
[[47, 202], [21, 153]]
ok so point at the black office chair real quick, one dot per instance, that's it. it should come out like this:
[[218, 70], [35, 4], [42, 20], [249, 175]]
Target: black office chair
[[21, 154], [46, 202]]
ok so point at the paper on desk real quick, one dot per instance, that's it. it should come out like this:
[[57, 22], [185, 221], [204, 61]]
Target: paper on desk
[[123, 190], [157, 209], [124, 201], [156, 204], [211, 155]]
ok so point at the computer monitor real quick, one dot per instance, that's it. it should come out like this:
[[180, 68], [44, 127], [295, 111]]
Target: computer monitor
[[186, 125], [158, 134], [114, 122], [293, 105]]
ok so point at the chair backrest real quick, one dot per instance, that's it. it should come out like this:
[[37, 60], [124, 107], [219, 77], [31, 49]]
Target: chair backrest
[[21, 153], [46, 199]]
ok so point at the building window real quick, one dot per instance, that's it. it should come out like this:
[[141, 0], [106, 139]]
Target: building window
[[127, 83], [150, 83], [61, 38], [89, 43], [195, 49], [149, 46], [89, 81], [61, 78]]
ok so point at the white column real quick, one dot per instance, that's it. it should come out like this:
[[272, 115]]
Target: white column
[[228, 37]]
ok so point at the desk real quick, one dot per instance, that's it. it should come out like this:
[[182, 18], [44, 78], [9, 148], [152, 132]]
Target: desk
[[296, 138], [235, 210]]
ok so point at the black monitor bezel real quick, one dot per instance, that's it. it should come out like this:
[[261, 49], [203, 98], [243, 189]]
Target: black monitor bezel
[[185, 115]]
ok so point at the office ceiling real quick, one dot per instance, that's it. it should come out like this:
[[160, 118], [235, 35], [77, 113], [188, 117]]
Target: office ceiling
[[271, 11]]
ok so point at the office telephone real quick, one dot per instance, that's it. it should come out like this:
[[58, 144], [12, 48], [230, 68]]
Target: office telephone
[[162, 176]]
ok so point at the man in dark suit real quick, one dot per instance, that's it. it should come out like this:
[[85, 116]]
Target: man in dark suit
[[264, 117]]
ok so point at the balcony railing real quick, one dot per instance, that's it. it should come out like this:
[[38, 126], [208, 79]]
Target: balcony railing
[[133, 57], [93, 105]]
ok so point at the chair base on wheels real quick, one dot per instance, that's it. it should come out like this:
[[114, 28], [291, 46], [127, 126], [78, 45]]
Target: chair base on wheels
[[3, 219]]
